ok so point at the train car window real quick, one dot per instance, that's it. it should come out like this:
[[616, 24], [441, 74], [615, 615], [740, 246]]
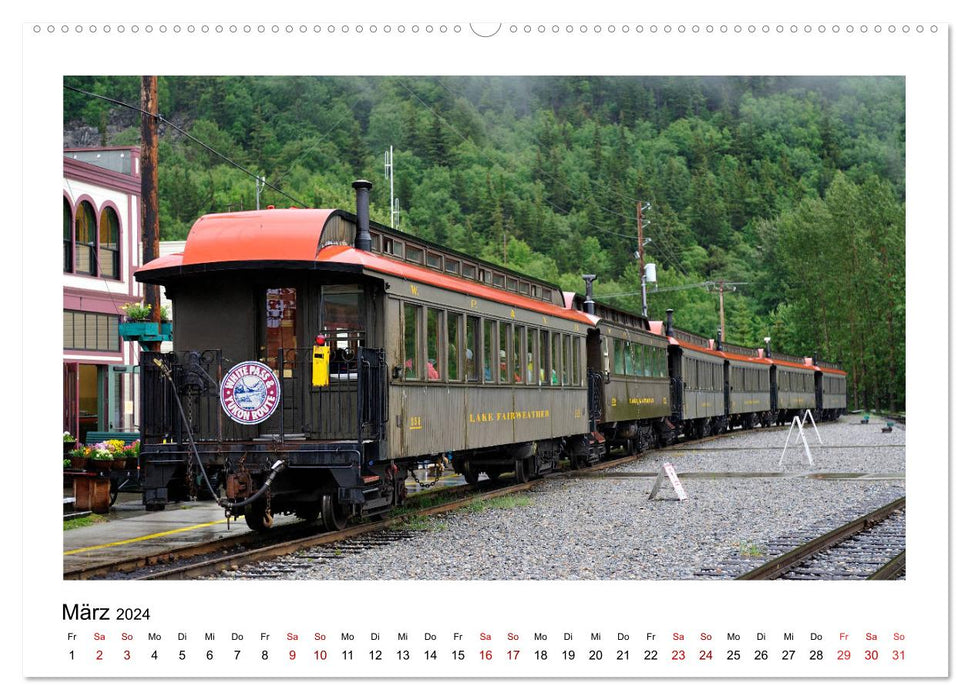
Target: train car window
[[280, 331], [454, 340], [545, 376], [488, 351], [393, 247], [578, 363], [472, 324], [512, 284], [451, 266], [468, 271], [433, 328], [411, 345], [505, 330], [556, 365], [517, 354], [499, 281], [547, 295], [618, 356], [566, 376], [485, 276], [531, 363], [433, 260], [340, 317], [415, 255]]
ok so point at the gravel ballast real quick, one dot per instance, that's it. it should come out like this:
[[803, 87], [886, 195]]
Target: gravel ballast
[[604, 527]]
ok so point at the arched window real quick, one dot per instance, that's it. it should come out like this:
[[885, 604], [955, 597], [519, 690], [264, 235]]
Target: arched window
[[85, 240], [108, 250], [68, 237]]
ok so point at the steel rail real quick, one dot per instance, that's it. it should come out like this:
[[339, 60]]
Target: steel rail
[[211, 566], [781, 565], [891, 570]]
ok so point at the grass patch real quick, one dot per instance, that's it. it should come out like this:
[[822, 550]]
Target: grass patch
[[421, 523], [749, 549], [500, 503], [93, 519]]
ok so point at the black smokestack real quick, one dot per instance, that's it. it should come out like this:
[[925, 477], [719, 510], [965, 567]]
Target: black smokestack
[[362, 240], [669, 328], [588, 302], [768, 347], [718, 340]]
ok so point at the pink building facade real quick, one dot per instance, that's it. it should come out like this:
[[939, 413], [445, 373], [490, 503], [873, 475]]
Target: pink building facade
[[102, 247]]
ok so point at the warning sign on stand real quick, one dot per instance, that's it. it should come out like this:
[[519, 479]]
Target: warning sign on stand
[[667, 472]]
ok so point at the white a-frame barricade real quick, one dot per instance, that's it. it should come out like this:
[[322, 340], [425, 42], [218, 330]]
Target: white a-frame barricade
[[797, 422], [667, 472]]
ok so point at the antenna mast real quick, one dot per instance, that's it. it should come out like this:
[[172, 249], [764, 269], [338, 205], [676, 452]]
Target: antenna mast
[[389, 175]]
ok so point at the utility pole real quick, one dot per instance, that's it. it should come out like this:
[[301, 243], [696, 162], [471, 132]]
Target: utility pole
[[640, 254], [721, 306], [260, 184], [149, 169], [733, 286]]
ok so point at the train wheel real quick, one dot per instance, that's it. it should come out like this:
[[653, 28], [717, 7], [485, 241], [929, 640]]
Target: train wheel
[[471, 475], [258, 517], [307, 512], [522, 470], [333, 513]]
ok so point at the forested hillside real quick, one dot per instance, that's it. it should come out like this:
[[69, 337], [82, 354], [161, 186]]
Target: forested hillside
[[792, 189]]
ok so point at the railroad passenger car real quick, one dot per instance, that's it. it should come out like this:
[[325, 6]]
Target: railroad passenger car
[[748, 391], [310, 372], [630, 386], [698, 380], [830, 390], [793, 386]]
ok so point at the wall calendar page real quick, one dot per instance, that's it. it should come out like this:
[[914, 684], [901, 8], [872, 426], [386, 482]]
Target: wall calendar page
[[487, 349]]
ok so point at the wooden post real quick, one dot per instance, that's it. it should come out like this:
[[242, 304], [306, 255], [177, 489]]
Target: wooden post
[[640, 258], [149, 170]]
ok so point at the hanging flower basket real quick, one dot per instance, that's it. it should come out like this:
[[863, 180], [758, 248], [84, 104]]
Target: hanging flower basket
[[100, 465], [145, 331]]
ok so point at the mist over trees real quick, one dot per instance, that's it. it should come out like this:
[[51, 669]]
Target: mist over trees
[[791, 188]]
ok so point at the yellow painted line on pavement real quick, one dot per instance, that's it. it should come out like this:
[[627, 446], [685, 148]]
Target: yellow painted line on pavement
[[143, 538]]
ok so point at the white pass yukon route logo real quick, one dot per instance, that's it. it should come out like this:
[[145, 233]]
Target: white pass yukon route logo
[[249, 392]]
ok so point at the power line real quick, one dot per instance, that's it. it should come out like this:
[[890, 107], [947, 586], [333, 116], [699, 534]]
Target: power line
[[188, 136]]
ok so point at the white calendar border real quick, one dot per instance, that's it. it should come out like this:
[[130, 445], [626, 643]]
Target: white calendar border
[[790, 53]]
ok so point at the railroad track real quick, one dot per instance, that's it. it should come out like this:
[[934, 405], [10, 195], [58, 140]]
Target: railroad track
[[870, 547], [208, 558]]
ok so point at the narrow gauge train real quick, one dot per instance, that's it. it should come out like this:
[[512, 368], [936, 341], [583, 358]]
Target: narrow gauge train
[[318, 359]]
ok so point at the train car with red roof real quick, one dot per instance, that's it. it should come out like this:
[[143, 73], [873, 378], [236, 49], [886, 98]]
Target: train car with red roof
[[317, 360]]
